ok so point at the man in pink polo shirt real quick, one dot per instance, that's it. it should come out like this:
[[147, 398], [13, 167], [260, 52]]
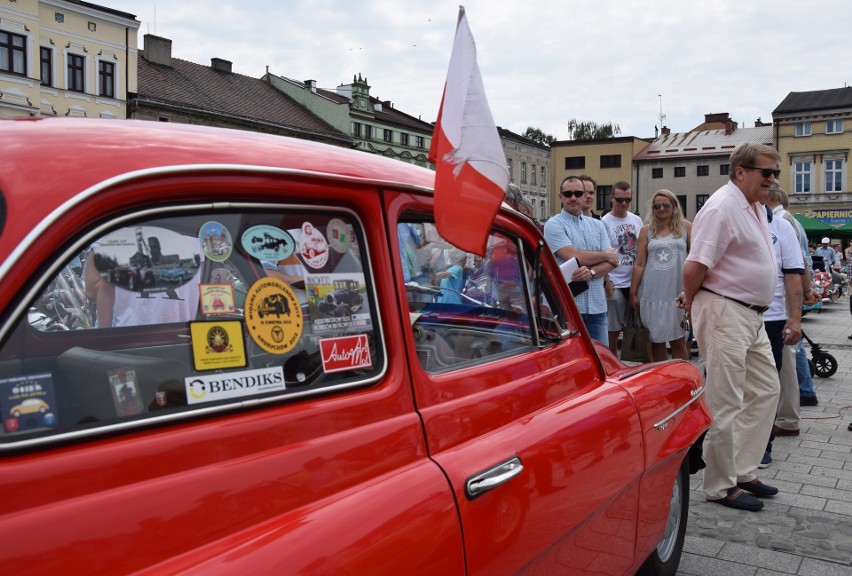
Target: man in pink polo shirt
[[728, 282]]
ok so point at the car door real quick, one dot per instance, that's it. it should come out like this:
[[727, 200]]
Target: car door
[[542, 454], [199, 411]]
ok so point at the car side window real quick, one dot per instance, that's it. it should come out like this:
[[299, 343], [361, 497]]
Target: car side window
[[464, 309], [162, 316]]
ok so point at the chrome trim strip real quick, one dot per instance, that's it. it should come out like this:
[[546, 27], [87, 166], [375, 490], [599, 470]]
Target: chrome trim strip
[[696, 394]]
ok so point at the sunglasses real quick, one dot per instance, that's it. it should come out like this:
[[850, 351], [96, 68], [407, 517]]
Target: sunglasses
[[662, 206], [574, 193], [765, 172], [622, 200]]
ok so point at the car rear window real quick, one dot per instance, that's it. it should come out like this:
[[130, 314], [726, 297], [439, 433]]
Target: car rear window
[[191, 310]]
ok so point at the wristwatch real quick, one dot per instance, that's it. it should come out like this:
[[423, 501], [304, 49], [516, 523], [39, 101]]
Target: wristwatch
[[592, 271]]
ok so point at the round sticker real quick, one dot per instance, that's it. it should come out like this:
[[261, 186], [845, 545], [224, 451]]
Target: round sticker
[[268, 243], [312, 246], [273, 315], [215, 241], [339, 235]]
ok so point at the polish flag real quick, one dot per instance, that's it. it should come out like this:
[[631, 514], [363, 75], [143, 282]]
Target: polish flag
[[471, 175]]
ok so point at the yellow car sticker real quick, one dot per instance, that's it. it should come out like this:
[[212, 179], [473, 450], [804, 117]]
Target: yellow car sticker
[[217, 345], [273, 315]]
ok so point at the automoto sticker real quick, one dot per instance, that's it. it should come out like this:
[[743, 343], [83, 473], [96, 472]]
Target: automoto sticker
[[273, 315], [345, 353], [217, 345], [268, 243], [224, 386]]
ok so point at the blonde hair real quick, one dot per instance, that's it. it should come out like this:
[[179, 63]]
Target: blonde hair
[[677, 215]]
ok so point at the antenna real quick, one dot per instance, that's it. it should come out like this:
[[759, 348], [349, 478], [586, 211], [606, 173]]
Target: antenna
[[662, 116]]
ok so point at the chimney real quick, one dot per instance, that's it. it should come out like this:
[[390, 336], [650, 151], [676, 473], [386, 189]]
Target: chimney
[[759, 123], [721, 117], [311, 85], [157, 50], [665, 131], [387, 104], [220, 65], [730, 126]]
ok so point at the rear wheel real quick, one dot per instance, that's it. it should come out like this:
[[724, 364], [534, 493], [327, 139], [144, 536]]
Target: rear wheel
[[824, 365], [665, 558]]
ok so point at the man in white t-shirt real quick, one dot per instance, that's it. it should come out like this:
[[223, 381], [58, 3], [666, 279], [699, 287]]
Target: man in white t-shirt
[[623, 228]]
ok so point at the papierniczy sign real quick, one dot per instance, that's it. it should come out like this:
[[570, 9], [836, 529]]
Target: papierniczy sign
[[224, 386]]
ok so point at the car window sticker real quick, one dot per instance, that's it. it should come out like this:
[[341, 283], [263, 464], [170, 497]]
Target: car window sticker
[[267, 243], [218, 345], [28, 403], [216, 299], [336, 303], [313, 247], [215, 241], [126, 394], [229, 385], [345, 353], [273, 315]]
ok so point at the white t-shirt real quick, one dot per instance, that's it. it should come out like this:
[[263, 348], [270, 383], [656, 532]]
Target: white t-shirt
[[624, 237], [788, 256]]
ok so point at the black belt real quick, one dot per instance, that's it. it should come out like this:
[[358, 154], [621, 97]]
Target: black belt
[[755, 307]]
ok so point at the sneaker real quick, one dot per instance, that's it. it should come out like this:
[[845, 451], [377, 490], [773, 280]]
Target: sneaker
[[808, 401], [765, 461]]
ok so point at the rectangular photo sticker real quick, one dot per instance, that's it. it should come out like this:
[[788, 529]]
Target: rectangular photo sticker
[[27, 403], [216, 299], [217, 345]]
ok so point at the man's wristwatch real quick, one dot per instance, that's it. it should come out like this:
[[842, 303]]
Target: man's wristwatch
[[592, 271]]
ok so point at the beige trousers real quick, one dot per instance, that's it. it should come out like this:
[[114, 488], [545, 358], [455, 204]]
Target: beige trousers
[[741, 390]]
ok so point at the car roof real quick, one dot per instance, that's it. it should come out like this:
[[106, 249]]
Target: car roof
[[46, 162]]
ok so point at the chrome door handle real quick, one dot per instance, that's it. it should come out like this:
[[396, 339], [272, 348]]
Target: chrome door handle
[[500, 474]]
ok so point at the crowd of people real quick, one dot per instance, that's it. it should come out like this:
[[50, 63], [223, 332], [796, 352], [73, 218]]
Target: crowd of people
[[735, 279]]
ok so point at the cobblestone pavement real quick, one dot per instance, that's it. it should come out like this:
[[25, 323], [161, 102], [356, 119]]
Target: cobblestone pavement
[[807, 528]]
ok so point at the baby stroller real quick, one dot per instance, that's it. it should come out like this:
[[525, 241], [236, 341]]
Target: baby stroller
[[822, 363]]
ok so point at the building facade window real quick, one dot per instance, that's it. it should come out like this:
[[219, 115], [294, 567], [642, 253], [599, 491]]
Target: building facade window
[[802, 177], [388, 135], [46, 65], [356, 129], [533, 175], [368, 132], [543, 174], [575, 163], [420, 142], [611, 161], [834, 174], [404, 139], [656, 172], [106, 79], [680, 171], [681, 199], [602, 194], [76, 73], [700, 199], [523, 172], [511, 166], [13, 53], [803, 129], [724, 169], [702, 170], [834, 126]]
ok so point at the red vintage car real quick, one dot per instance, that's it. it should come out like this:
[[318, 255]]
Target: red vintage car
[[421, 434]]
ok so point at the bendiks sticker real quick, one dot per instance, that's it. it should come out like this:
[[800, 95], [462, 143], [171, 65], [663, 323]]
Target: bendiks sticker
[[268, 243], [218, 345], [215, 241], [27, 402], [345, 353], [312, 246], [227, 385], [273, 315]]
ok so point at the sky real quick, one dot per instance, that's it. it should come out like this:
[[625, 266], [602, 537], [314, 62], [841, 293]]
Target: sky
[[543, 62]]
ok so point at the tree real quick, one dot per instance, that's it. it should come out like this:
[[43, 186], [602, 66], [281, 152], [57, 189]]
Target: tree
[[537, 135], [591, 130]]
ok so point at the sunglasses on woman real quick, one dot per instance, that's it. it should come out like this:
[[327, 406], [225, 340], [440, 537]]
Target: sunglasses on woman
[[662, 206]]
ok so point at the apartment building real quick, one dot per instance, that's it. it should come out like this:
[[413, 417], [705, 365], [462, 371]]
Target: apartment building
[[65, 58], [529, 169]]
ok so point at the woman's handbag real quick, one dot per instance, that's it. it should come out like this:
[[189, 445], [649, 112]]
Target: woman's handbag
[[636, 343]]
